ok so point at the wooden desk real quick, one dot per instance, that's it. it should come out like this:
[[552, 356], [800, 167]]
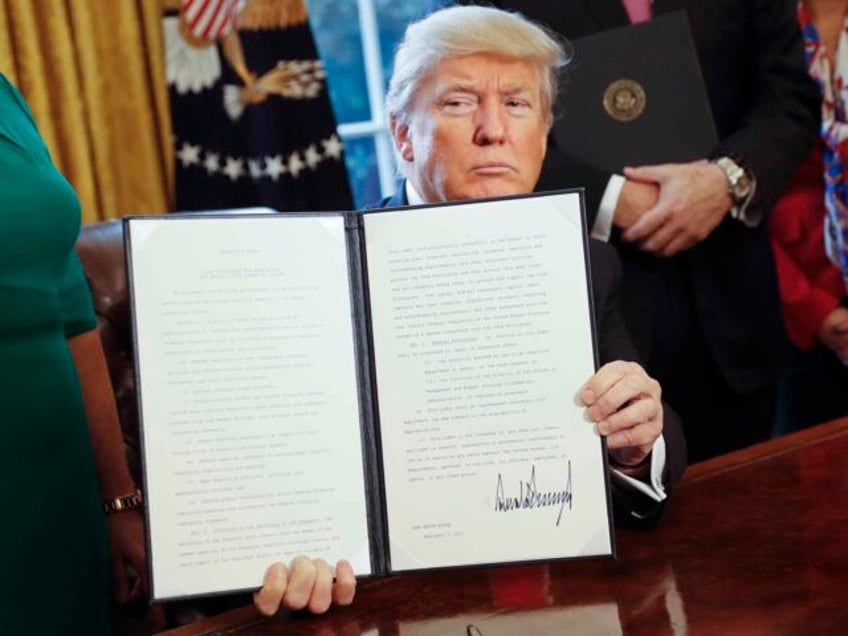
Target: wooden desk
[[754, 542]]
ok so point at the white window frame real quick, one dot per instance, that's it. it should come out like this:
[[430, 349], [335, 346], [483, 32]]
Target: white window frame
[[376, 126]]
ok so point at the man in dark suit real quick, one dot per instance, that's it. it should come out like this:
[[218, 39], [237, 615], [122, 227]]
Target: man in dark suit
[[469, 106], [699, 287]]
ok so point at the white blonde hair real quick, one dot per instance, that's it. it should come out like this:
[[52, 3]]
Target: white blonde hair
[[469, 30]]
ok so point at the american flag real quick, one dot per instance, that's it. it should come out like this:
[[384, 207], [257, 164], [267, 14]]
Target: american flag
[[252, 121], [210, 19]]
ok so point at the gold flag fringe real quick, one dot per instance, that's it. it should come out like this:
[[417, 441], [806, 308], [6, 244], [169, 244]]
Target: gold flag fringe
[[272, 14]]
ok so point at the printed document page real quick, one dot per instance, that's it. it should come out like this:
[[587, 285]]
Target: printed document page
[[248, 390], [482, 340]]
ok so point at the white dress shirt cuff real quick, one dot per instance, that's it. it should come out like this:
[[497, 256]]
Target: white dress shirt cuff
[[412, 196], [602, 227], [654, 488]]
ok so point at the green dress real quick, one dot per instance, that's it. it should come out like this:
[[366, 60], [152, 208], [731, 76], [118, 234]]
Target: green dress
[[54, 557]]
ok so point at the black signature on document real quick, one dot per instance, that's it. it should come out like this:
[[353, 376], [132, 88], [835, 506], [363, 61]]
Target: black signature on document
[[530, 497]]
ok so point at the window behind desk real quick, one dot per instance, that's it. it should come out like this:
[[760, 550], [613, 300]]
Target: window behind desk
[[356, 40]]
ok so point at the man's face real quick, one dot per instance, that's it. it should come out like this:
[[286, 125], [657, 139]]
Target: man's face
[[476, 129]]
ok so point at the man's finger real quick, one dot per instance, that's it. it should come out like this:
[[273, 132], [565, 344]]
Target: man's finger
[[322, 590], [301, 582], [628, 387], [647, 224], [662, 236], [639, 411], [267, 600], [603, 379], [652, 174], [345, 586]]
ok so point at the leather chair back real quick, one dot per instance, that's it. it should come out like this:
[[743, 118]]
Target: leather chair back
[[101, 249]]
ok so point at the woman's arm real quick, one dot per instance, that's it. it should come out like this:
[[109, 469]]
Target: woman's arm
[[126, 528]]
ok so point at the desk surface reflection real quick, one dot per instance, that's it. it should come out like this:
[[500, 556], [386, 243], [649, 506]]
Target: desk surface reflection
[[754, 542]]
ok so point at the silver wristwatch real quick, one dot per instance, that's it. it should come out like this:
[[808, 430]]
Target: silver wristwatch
[[740, 185]]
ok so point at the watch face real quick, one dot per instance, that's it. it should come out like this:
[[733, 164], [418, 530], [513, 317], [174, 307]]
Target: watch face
[[742, 187], [738, 178]]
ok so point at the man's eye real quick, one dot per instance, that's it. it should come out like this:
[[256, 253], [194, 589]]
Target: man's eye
[[457, 104], [517, 103]]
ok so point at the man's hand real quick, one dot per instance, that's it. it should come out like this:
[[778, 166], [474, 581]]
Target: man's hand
[[624, 402], [306, 583], [693, 200], [834, 332], [635, 199]]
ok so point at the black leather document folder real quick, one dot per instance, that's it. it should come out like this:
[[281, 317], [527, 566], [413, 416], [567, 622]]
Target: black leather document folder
[[394, 387], [634, 96]]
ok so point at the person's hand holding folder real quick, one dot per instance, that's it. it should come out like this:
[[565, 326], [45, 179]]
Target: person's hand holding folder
[[305, 584], [624, 402]]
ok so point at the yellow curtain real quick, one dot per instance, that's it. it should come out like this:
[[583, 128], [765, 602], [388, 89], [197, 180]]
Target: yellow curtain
[[93, 72]]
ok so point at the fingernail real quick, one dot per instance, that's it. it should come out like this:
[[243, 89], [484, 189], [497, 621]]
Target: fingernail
[[603, 427], [588, 396]]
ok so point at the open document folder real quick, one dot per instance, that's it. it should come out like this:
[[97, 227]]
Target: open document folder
[[396, 387]]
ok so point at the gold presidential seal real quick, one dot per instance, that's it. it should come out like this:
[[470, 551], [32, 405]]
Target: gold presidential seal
[[624, 99]]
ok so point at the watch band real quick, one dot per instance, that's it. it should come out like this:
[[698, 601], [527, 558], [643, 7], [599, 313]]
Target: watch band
[[131, 501], [741, 186]]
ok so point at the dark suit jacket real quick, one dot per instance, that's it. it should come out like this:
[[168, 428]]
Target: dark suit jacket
[[614, 343], [766, 111]]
